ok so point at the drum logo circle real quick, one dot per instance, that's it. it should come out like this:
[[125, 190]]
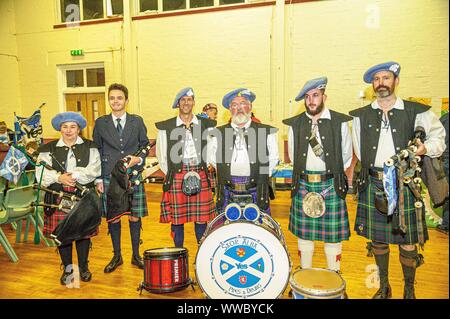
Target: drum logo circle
[[242, 266]]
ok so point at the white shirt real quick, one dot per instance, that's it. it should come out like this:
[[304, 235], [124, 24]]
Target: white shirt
[[83, 175], [240, 161], [161, 145], [123, 120], [314, 163], [434, 140]]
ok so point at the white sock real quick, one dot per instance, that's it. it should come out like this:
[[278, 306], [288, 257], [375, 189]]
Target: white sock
[[306, 250], [333, 251]]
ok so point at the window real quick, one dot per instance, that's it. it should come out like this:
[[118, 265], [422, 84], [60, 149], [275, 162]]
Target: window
[[84, 76], [95, 77], [81, 10], [74, 78], [173, 5]]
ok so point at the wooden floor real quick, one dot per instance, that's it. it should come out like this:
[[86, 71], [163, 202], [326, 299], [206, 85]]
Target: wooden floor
[[37, 273]]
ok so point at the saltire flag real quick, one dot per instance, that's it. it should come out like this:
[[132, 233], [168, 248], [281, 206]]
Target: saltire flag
[[28, 129], [390, 187], [13, 165]]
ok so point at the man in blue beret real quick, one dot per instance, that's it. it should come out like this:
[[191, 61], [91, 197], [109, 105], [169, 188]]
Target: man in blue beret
[[119, 135], [320, 148], [243, 170], [180, 147], [381, 130], [74, 160]]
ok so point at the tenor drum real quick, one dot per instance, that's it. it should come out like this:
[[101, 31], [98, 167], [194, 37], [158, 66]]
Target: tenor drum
[[317, 283], [243, 259], [166, 270]]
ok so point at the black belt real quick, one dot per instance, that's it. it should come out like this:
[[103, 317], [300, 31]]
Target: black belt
[[376, 174], [316, 178]]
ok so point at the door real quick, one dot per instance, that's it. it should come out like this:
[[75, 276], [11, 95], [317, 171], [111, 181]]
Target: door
[[90, 105]]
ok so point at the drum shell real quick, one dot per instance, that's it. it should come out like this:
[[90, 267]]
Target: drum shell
[[300, 291], [166, 270]]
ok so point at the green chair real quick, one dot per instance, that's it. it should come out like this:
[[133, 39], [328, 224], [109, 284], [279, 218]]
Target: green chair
[[16, 208]]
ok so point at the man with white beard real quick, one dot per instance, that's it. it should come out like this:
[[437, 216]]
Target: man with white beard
[[244, 154]]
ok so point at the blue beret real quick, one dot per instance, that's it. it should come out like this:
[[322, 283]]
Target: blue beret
[[394, 67], [319, 83], [64, 117], [186, 91], [249, 95]]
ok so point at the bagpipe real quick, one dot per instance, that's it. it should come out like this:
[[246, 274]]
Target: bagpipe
[[121, 186], [82, 208], [404, 170]]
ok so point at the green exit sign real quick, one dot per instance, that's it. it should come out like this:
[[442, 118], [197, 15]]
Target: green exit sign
[[76, 52]]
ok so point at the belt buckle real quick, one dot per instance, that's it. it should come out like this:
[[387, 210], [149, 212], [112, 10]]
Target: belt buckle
[[239, 187], [314, 178]]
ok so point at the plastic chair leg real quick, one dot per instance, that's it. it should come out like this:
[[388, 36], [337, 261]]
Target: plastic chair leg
[[18, 231], [7, 246], [27, 229]]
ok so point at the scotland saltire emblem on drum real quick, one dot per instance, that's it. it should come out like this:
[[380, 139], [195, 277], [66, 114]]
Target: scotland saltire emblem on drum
[[238, 266], [242, 260]]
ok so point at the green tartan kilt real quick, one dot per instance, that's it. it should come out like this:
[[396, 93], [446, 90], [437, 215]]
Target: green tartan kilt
[[332, 227], [138, 203], [376, 226]]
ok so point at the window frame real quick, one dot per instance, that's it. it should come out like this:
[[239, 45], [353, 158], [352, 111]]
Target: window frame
[[138, 12], [106, 4]]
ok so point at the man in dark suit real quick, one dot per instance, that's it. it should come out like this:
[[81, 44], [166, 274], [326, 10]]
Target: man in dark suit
[[118, 135]]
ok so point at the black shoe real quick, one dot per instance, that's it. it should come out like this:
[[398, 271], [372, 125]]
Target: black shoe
[[64, 280], [442, 229], [115, 262], [85, 275], [383, 293], [137, 261]]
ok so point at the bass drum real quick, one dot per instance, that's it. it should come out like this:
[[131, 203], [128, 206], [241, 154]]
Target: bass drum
[[243, 259]]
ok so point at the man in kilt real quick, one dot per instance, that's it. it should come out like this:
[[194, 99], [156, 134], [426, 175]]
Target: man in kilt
[[181, 152], [244, 153], [380, 130], [118, 135], [74, 159], [320, 147]]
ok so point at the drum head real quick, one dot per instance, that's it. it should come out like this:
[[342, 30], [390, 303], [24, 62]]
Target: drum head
[[251, 212], [165, 251], [317, 282], [233, 212], [242, 260]]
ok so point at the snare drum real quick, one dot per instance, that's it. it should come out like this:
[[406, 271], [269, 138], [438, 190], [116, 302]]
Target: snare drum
[[166, 270], [243, 259], [317, 283]]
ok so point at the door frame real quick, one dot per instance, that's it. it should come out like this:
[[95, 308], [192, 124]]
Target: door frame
[[62, 83]]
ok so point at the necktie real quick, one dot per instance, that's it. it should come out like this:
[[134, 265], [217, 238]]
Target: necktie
[[119, 127]]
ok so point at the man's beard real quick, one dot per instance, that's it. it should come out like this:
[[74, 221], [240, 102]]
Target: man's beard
[[387, 91], [317, 111], [241, 118]]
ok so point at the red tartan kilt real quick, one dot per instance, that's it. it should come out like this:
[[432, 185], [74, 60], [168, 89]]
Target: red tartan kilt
[[177, 208], [50, 222]]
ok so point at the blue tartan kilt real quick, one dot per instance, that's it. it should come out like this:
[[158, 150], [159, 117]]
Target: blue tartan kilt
[[332, 227], [138, 203], [373, 225]]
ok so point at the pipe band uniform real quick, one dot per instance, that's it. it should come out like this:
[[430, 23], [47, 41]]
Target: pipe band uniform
[[75, 165], [386, 142], [122, 140], [319, 183]]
